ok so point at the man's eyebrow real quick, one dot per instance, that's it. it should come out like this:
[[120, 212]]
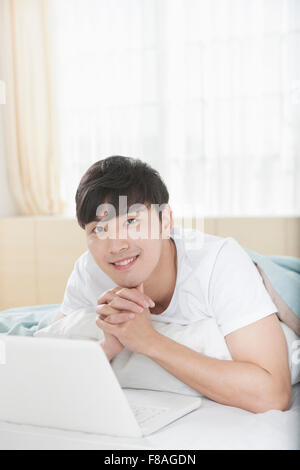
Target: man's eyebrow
[[98, 218]]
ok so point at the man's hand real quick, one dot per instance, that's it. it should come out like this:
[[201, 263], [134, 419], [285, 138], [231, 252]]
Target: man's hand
[[131, 324], [117, 309], [111, 345]]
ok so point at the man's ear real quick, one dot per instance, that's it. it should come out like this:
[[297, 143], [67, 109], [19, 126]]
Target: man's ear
[[167, 222]]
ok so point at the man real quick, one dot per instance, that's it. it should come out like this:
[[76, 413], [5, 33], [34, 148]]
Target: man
[[135, 276]]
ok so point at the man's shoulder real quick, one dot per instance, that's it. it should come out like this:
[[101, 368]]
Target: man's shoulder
[[201, 250], [195, 242]]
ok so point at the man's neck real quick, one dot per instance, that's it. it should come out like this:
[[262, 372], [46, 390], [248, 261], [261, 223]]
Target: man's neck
[[161, 284]]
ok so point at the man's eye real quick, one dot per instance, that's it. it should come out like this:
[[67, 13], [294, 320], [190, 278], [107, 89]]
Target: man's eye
[[128, 220], [95, 231], [101, 229]]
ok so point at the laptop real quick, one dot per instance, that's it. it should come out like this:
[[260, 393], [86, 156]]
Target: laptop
[[69, 384]]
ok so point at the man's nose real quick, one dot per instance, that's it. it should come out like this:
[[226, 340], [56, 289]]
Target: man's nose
[[116, 244]]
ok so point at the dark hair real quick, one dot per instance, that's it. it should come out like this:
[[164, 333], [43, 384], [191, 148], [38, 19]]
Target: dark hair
[[112, 177]]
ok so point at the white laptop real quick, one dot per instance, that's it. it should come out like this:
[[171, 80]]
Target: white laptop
[[70, 384]]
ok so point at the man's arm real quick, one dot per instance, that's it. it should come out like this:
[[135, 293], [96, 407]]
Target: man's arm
[[258, 378]]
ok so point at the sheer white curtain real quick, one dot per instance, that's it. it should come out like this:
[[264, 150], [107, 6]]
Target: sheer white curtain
[[206, 91], [29, 124]]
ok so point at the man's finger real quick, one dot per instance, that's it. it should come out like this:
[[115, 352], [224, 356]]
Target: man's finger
[[135, 295], [107, 295], [132, 294], [122, 304], [140, 287], [106, 313], [106, 310], [106, 327], [118, 318]]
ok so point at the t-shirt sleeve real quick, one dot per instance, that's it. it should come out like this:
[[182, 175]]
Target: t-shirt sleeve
[[237, 294], [74, 297]]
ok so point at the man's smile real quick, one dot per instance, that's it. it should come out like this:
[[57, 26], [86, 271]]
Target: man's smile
[[125, 264]]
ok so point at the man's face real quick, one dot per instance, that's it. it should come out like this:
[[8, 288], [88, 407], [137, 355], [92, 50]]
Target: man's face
[[135, 236]]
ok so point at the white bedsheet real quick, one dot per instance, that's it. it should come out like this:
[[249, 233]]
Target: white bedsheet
[[213, 426]]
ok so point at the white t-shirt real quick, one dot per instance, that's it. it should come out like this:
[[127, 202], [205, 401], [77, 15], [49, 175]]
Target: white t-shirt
[[215, 278]]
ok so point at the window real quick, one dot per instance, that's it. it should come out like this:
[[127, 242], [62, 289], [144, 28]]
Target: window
[[206, 91]]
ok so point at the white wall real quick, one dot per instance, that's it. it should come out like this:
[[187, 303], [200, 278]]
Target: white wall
[[7, 204]]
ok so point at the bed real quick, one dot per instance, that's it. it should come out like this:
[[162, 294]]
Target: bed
[[212, 426]]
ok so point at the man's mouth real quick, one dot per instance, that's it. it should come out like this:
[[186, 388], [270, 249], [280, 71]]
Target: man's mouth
[[126, 264]]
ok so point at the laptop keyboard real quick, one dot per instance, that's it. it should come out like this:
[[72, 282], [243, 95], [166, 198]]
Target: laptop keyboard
[[145, 413]]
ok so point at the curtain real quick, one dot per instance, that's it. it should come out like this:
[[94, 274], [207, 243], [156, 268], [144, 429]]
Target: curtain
[[29, 112], [206, 91]]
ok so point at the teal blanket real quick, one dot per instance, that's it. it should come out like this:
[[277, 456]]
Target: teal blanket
[[284, 275], [25, 321], [282, 271]]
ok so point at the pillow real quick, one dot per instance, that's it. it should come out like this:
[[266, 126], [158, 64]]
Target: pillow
[[138, 371], [77, 325]]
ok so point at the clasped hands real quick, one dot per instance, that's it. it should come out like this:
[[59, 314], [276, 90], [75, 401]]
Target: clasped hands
[[125, 319]]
